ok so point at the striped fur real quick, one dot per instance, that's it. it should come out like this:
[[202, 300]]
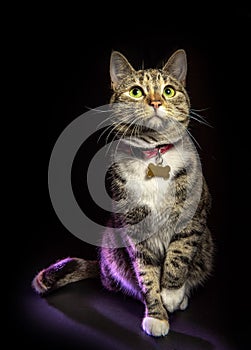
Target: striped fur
[[161, 268]]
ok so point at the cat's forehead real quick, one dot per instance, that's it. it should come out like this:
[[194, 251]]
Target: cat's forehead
[[151, 73], [153, 76]]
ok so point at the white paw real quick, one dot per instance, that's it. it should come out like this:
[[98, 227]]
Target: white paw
[[174, 299], [155, 327], [184, 303]]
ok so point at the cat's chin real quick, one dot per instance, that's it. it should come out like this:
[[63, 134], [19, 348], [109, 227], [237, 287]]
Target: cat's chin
[[155, 123]]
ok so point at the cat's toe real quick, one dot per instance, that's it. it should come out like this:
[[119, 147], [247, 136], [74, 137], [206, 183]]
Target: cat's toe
[[173, 299], [155, 327], [184, 303]]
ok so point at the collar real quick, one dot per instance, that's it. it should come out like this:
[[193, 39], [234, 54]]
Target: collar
[[147, 153], [154, 152]]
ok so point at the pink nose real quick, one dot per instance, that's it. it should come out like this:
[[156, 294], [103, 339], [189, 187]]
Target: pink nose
[[155, 104]]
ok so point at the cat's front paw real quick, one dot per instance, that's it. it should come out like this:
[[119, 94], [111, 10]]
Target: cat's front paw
[[174, 299], [155, 327]]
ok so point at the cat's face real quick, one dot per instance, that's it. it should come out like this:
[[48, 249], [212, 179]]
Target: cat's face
[[153, 98]]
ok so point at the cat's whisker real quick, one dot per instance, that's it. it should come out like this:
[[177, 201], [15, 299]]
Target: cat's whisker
[[109, 127], [185, 129], [112, 122], [106, 130], [136, 131], [111, 117], [200, 110], [113, 126], [201, 121], [122, 121], [117, 125], [199, 118], [125, 132], [193, 138], [177, 125], [98, 110]]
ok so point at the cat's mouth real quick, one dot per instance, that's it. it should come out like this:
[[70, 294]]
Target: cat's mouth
[[155, 122], [157, 119], [157, 127]]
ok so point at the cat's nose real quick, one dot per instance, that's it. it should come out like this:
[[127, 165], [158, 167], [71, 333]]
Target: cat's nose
[[155, 103]]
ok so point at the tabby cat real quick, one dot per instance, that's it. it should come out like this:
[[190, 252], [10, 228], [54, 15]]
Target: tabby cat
[[160, 247]]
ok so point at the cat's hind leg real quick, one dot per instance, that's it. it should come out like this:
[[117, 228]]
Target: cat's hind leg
[[117, 274]]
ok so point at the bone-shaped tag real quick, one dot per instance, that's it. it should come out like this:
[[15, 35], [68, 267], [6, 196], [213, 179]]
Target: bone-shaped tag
[[158, 170]]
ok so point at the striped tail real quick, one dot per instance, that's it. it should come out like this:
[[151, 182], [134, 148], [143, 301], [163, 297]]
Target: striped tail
[[64, 272]]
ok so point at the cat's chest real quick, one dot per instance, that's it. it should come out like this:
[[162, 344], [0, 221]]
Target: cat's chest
[[152, 191]]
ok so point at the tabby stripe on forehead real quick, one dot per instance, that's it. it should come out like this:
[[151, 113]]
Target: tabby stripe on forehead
[[141, 79], [148, 77]]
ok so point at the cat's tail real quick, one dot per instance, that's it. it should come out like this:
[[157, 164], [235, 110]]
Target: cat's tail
[[64, 272]]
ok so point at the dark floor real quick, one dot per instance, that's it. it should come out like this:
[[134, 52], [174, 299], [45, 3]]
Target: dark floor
[[85, 316]]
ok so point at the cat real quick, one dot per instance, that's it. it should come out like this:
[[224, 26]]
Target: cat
[[152, 251]]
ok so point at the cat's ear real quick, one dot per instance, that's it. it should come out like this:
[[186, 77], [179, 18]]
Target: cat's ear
[[119, 68], [176, 66]]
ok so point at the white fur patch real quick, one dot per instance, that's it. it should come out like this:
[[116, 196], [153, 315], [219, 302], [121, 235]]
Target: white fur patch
[[155, 327], [152, 192], [174, 299], [184, 303]]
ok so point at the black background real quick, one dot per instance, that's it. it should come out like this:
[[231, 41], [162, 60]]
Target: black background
[[67, 61]]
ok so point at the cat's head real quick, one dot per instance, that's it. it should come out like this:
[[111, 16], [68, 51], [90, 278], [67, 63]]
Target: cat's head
[[151, 98]]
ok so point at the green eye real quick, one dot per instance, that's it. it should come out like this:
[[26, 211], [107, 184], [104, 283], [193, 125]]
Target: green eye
[[169, 91], [136, 92]]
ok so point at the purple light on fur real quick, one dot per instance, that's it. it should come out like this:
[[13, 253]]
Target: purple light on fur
[[61, 264], [127, 287]]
